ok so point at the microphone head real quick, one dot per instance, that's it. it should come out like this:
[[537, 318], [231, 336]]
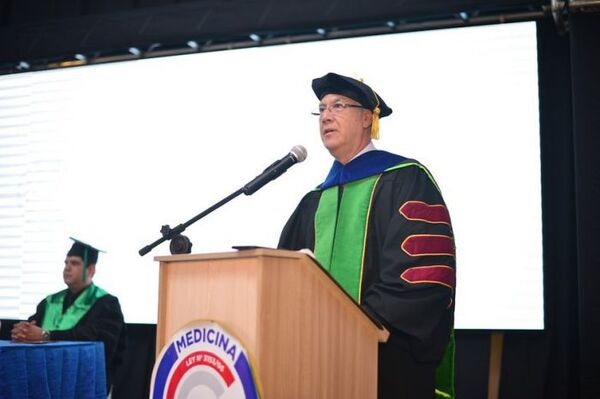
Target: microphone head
[[299, 152]]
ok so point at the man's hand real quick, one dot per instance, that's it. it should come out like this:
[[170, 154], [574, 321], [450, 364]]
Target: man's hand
[[26, 331]]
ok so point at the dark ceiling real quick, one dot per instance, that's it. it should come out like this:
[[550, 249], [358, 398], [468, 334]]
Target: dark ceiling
[[38, 29]]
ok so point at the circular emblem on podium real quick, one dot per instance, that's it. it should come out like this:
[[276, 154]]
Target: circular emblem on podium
[[203, 360]]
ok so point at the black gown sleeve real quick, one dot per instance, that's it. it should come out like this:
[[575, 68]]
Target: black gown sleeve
[[421, 312], [38, 316]]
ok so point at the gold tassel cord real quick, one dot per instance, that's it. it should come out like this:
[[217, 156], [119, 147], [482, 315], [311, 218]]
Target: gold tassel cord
[[375, 124], [376, 112]]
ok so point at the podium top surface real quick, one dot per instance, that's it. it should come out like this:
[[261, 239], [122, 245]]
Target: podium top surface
[[246, 253]]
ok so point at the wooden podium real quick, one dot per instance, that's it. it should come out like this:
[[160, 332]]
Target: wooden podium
[[307, 337]]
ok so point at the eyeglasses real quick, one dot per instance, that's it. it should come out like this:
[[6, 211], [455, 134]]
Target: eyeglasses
[[335, 108]]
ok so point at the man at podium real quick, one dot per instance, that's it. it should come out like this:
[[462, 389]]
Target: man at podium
[[82, 312], [379, 225]]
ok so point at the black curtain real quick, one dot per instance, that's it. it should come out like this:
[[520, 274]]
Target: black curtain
[[134, 375], [585, 71]]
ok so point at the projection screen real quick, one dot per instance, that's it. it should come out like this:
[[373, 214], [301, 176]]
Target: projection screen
[[109, 153]]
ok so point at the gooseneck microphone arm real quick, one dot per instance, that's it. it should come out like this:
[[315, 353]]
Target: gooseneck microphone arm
[[276, 169]]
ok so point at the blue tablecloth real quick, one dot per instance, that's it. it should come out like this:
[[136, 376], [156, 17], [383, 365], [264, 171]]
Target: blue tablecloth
[[58, 370]]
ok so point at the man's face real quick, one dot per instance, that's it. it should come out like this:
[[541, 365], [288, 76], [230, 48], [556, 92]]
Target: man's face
[[346, 132], [73, 273]]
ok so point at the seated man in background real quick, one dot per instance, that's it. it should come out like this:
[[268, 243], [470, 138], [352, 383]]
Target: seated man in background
[[82, 312]]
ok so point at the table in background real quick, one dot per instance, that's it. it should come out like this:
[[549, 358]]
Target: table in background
[[58, 370]]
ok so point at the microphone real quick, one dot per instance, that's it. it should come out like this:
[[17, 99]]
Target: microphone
[[276, 169]]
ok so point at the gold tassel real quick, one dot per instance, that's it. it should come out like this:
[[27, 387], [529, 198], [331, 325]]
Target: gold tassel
[[376, 112], [375, 124]]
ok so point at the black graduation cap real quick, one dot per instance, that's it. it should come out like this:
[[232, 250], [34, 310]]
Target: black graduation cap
[[86, 252], [332, 83]]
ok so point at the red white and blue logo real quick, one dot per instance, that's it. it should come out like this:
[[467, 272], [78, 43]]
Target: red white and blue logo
[[203, 360]]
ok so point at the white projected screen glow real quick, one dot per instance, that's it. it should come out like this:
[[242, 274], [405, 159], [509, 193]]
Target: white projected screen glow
[[109, 153]]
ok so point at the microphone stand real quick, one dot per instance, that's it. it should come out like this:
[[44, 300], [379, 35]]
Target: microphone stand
[[169, 233], [182, 245]]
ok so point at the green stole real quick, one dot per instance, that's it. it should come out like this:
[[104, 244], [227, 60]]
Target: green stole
[[55, 319], [340, 244]]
